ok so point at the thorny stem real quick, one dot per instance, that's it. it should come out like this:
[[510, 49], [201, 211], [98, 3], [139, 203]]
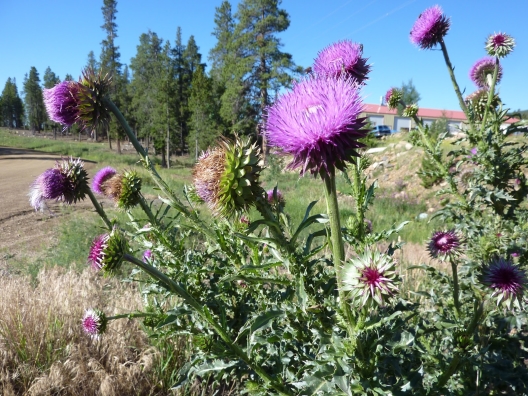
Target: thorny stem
[[451, 369], [178, 289], [99, 209], [491, 94], [453, 79], [338, 248], [455, 288]]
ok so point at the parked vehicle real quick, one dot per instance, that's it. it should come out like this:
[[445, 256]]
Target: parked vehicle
[[380, 130]]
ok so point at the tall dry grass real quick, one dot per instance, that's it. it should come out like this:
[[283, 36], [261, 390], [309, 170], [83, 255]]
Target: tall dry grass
[[43, 350]]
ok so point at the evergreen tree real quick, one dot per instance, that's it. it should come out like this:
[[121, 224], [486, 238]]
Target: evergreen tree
[[204, 113], [35, 111], [110, 63], [180, 101], [50, 80], [92, 63], [68, 77], [259, 23], [11, 106]]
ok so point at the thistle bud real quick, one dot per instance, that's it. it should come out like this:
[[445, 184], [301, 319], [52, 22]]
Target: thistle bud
[[107, 251], [94, 322]]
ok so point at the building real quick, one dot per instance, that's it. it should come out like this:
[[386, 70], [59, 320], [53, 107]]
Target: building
[[381, 115]]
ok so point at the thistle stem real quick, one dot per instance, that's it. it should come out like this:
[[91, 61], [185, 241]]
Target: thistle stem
[[147, 210], [99, 209], [491, 94], [336, 238], [455, 288], [131, 315], [453, 78], [178, 289]]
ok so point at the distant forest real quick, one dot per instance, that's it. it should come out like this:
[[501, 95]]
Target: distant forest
[[165, 92]]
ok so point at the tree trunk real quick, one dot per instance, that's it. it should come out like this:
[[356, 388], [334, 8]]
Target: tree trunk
[[264, 102], [118, 145]]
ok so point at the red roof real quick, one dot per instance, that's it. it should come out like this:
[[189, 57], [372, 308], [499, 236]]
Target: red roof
[[423, 113]]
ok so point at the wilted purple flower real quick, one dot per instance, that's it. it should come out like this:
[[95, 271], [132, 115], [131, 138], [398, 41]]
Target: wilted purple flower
[[102, 176], [430, 27], [66, 182], [342, 58], [61, 102], [147, 254], [499, 44], [481, 69], [444, 243], [318, 123], [94, 322], [507, 279]]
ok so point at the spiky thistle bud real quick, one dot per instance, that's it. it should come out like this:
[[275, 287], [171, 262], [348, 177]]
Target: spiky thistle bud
[[94, 322], [276, 198], [478, 100], [410, 110], [508, 281], [226, 177], [124, 189], [107, 251], [393, 97], [444, 244], [371, 278], [499, 44], [66, 182], [92, 112]]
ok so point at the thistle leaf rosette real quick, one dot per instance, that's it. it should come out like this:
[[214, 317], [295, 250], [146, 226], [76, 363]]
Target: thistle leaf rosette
[[66, 182], [226, 177], [370, 278], [507, 280], [92, 112], [107, 251], [499, 44], [94, 322], [393, 97]]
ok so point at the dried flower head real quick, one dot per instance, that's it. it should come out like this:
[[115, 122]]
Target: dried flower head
[[482, 69], [102, 177], [318, 123], [61, 102], [508, 281], [66, 182], [410, 110], [499, 44], [393, 97], [430, 28], [107, 251], [226, 177], [124, 189], [92, 111], [94, 322], [343, 58], [370, 278], [444, 244]]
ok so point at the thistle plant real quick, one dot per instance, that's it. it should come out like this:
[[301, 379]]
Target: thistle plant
[[280, 309]]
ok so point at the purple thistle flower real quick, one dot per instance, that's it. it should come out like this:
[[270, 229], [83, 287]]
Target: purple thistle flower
[[66, 182], [481, 69], [507, 279], [101, 177], [96, 254], [275, 198], [61, 102], [147, 255], [499, 44], [94, 322], [317, 122], [393, 97], [444, 243], [342, 58], [430, 28], [515, 254], [473, 151]]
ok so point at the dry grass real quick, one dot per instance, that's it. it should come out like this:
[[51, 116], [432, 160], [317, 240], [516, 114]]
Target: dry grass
[[43, 350]]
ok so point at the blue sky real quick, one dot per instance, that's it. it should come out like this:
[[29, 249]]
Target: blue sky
[[61, 33]]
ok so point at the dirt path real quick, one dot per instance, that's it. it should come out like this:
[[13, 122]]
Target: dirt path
[[25, 233]]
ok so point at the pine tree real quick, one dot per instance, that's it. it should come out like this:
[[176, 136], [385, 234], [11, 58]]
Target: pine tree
[[50, 80], [259, 23], [35, 111], [11, 106], [410, 95], [92, 63], [179, 104], [68, 77], [110, 63]]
